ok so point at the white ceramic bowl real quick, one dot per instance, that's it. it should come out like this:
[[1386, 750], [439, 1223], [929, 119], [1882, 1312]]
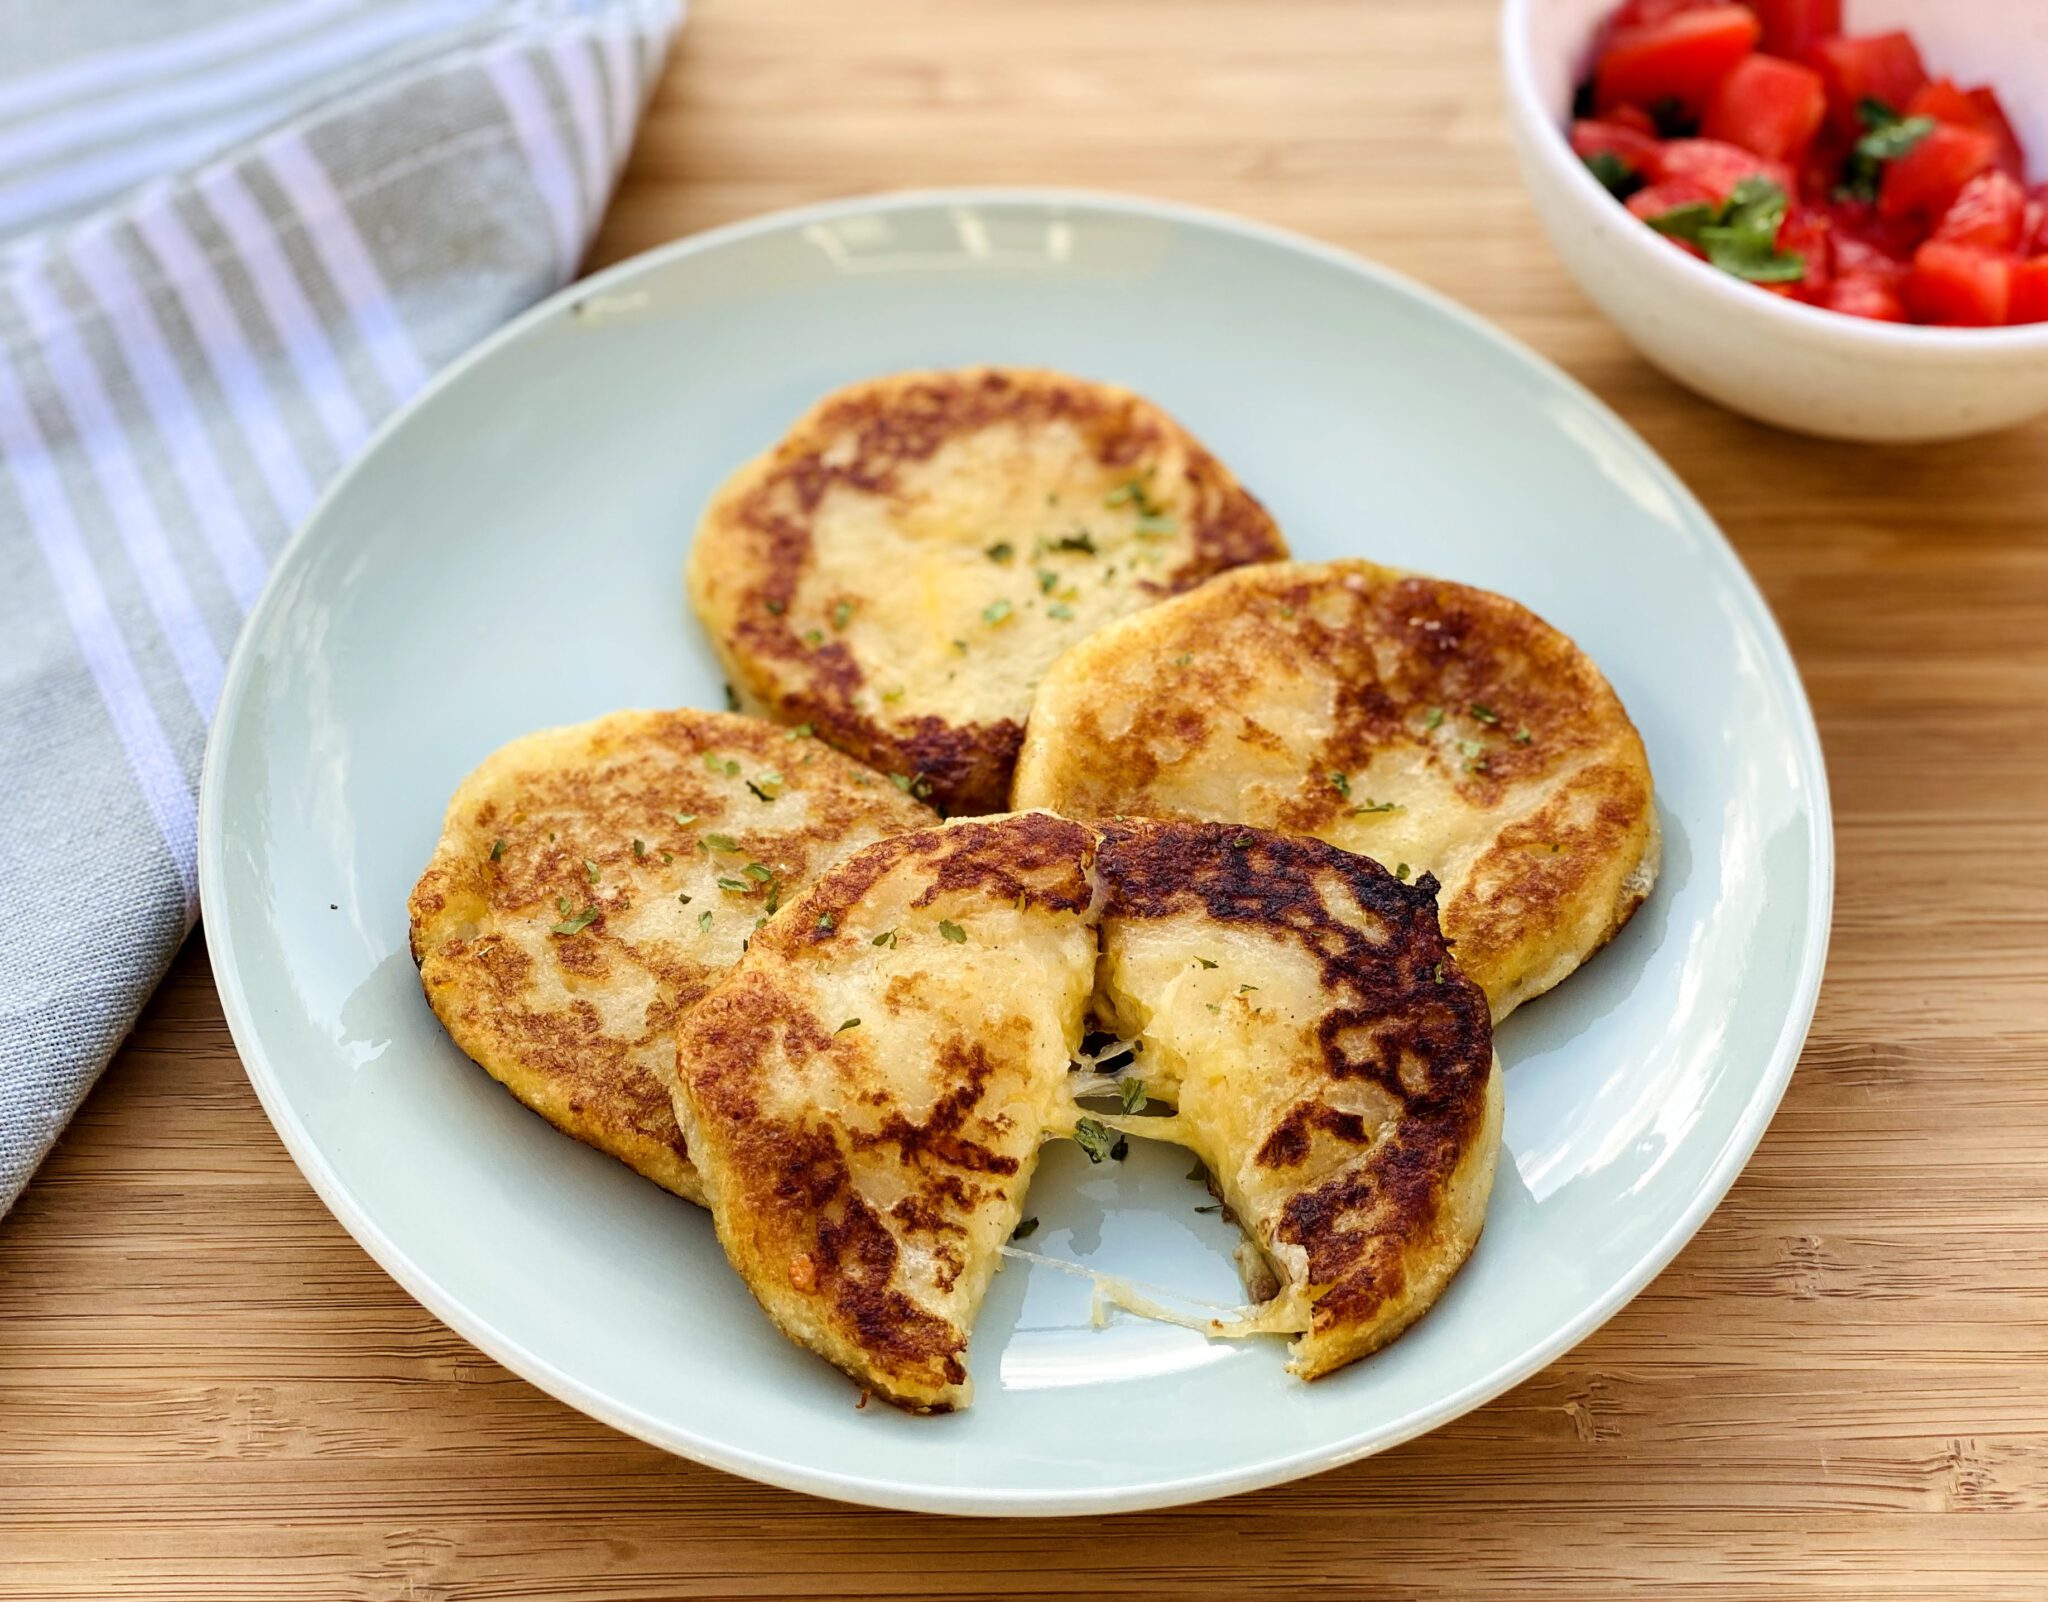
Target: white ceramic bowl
[[1793, 365]]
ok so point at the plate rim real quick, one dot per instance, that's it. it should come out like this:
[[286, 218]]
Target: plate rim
[[1159, 1491]]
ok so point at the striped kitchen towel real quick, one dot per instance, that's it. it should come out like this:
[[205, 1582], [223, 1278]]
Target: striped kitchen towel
[[234, 235]]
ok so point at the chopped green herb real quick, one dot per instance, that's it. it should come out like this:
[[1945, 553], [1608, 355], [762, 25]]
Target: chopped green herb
[[1156, 523], [777, 608], [1026, 1228], [1616, 176], [1372, 806], [766, 786], [704, 921], [1341, 783], [952, 931], [814, 637], [1211, 1207], [1060, 610], [960, 646], [1401, 872], [576, 925], [1184, 659], [1433, 718], [720, 842], [893, 695], [668, 856], [1001, 551], [827, 922], [727, 883], [803, 731], [686, 818], [842, 614], [1740, 235], [639, 848], [562, 905], [1287, 611], [1246, 989], [1469, 748], [851, 1023], [1889, 137], [732, 699], [1483, 712], [1048, 581], [1093, 1137], [995, 612], [1132, 1093], [590, 868], [682, 898], [886, 938], [1213, 1007], [1437, 973], [1240, 842], [1199, 1173], [497, 848], [759, 870], [1081, 541], [1205, 962]]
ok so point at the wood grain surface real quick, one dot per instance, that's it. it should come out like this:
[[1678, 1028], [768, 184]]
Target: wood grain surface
[[1839, 1390]]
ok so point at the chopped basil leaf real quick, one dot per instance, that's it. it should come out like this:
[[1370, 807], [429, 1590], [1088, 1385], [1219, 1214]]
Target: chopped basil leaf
[[704, 921], [893, 695], [576, 925], [1184, 659], [1437, 973], [995, 612], [639, 848], [1341, 783], [952, 931], [683, 900], [720, 842], [1401, 872], [826, 922], [1092, 1136], [758, 870], [1890, 137], [1740, 236], [1199, 1173], [1615, 176], [1026, 1228], [886, 938], [562, 905], [1132, 1094], [728, 883]]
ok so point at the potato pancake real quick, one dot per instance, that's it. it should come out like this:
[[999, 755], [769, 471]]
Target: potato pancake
[[1434, 727], [592, 882], [903, 567]]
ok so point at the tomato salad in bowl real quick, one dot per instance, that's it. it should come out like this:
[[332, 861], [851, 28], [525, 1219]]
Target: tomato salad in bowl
[[1835, 169]]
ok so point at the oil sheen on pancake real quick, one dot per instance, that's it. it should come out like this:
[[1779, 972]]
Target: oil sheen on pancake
[[903, 567], [1434, 727], [592, 882], [865, 1096]]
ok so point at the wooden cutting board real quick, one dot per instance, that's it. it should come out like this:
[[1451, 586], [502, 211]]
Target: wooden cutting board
[[1840, 1389]]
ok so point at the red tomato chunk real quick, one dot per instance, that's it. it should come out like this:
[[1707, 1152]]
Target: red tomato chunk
[[1822, 167]]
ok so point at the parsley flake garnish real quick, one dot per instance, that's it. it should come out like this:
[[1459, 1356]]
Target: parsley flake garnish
[[851, 1023], [590, 868], [893, 695], [576, 925], [686, 818], [1372, 806], [1001, 551], [1246, 989], [704, 921], [1401, 872], [777, 608], [1740, 235], [995, 612], [1092, 1136], [1081, 541], [1616, 176], [842, 614], [1240, 842], [1483, 712], [803, 731], [1132, 1093], [562, 905], [639, 848], [1205, 962], [1522, 736], [1184, 659], [952, 931], [1060, 610], [1026, 1228], [683, 899], [720, 842], [886, 938], [1433, 718], [1199, 1173], [725, 882], [497, 848], [1890, 136], [814, 637], [1341, 783], [759, 870], [1437, 973], [826, 922]]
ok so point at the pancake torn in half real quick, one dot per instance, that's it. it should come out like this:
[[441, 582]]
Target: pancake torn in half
[[1296, 1005], [592, 882], [1434, 727], [865, 1096], [903, 567]]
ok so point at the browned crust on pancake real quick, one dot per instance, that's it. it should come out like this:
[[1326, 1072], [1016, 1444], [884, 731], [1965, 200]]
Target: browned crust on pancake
[[1497, 698], [632, 775], [784, 1194], [859, 439], [1399, 1014]]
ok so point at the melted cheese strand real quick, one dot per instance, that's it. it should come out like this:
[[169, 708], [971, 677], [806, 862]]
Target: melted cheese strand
[[1286, 1314]]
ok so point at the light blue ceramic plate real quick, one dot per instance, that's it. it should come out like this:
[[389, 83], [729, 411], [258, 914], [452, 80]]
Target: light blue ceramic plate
[[507, 555]]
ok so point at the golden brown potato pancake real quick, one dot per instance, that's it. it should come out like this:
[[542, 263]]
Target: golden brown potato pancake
[[901, 569], [592, 882], [1434, 727]]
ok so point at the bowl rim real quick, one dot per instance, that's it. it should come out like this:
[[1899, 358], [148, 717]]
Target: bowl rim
[[1920, 340]]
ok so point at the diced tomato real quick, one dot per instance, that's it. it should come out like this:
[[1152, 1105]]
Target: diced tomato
[[1971, 108], [1669, 195], [1924, 182], [1791, 27], [2029, 292], [1645, 13], [1720, 166], [1989, 212], [2034, 225], [1959, 285], [1633, 117], [1806, 231], [1770, 106], [1867, 240], [1678, 59], [1639, 152], [1882, 66], [1859, 296]]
